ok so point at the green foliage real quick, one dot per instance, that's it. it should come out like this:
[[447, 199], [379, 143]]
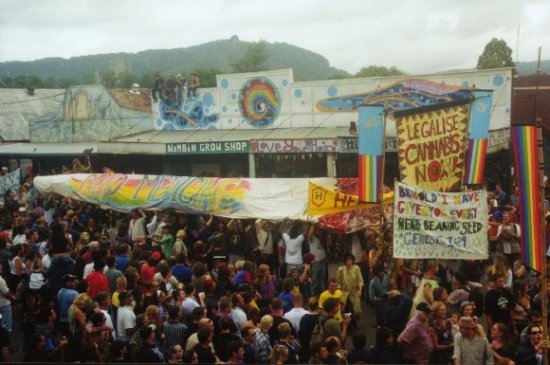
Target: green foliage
[[378, 71], [219, 55], [23, 82], [255, 59], [495, 55], [207, 77]]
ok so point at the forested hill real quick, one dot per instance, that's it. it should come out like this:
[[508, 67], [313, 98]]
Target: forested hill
[[219, 56]]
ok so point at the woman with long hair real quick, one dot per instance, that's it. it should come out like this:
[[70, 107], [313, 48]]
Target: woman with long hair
[[77, 323], [504, 351], [522, 305], [441, 330]]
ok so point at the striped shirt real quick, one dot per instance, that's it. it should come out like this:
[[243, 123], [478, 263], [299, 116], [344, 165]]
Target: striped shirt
[[174, 333]]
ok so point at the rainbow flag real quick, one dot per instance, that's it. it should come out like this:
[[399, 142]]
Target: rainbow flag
[[475, 161], [478, 137], [526, 159], [371, 153]]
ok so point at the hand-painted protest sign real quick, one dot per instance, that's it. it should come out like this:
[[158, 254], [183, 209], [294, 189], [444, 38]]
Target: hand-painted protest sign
[[432, 144], [10, 182], [432, 224]]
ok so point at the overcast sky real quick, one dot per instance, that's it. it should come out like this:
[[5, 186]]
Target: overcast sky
[[417, 36]]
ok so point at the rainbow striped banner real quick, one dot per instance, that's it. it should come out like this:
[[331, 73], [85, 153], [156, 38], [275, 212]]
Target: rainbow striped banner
[[371, 153], [526, 158], [478, 137]]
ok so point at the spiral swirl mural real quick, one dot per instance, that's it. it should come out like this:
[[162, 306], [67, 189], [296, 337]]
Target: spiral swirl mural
[[259, 102]]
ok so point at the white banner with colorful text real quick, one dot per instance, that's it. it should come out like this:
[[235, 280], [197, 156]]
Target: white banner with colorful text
[[432, 224], [272, 199]]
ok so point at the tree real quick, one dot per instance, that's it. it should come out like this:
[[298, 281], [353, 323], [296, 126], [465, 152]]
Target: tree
[[255, 59], [376, 71], [495, 55], [207, 77]]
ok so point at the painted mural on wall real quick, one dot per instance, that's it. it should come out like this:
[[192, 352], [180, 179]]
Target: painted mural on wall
[[404, 94], [259, 102], [272, 99], [91, 113], [174, 109]]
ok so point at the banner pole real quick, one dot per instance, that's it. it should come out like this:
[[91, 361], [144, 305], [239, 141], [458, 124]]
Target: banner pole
[[544, 280]]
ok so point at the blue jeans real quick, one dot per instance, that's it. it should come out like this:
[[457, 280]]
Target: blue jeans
[[318, 275], [5, 311]]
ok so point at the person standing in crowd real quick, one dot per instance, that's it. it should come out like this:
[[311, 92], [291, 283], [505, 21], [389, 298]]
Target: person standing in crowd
[[416, 340], [296, 314], [290, 247], [499, 303], [319, 267], [469, 347], [351, 282], [148, 353], [442, 334], [532, 351], [126, 318], [136, 228], [263, 343]]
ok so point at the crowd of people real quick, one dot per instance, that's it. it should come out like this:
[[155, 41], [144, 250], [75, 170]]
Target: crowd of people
[[174, 89], [85, 284]]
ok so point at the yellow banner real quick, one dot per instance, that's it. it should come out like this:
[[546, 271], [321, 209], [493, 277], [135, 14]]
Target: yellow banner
[[432, 146], [324, 200]]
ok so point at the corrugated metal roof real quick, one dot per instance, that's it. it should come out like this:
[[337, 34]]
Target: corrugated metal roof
[[17, 108], [235, 135], [139, 100]]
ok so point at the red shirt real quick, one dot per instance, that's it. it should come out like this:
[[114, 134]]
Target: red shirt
[[147, 273], [97, 281]]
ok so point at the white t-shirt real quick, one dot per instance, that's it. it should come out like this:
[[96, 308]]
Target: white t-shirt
[[293, 249], [109, 322], [136, 228], [4, 290], [316, 248], [238, 316], [46, 262], [188, 305], [295, 316], [89, 268], [265, 241], [126, 318]]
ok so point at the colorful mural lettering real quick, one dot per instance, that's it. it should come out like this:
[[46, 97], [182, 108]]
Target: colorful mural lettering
[[125, 192], [404, 94], [259, 102]]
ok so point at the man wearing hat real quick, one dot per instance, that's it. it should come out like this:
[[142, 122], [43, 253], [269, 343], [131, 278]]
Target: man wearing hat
[[416, 340], [126, 318], [469, 347], [65, 298]]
